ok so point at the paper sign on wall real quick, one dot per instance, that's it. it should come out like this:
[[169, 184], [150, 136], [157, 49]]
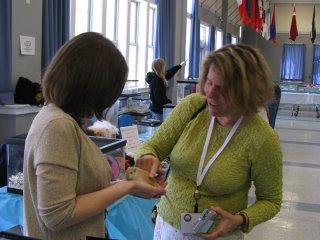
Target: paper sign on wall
[[130, 133], [27, 45]]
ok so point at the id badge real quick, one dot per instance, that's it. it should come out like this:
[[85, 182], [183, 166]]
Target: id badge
[[187, 221]]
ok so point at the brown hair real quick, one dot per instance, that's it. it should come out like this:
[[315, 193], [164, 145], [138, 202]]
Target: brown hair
[[159, 68], [86, 76], [247, 77]]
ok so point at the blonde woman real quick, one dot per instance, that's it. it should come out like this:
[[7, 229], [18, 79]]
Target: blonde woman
[[158, 82], [218, 154]]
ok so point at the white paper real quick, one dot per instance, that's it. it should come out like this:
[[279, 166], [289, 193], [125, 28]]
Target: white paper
[[130, 133], [27, 45]]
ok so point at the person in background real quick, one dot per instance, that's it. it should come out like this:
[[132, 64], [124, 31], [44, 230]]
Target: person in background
[[273, 105], [218, 146], [158, 82], [66, 177]]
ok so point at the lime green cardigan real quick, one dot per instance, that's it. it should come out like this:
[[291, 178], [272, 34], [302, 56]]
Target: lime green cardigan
[[252, 156]]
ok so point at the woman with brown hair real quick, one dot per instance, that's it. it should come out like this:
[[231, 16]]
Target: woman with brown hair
[[67, 180]]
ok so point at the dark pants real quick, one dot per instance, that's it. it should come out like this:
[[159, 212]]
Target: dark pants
[[158, 116], [273, 107]]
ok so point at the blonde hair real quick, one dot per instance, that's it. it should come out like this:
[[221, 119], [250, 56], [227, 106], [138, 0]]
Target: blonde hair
[[159, 68], [247, 77]]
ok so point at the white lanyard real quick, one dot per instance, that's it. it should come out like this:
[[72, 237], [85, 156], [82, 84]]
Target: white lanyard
[[202, 173]]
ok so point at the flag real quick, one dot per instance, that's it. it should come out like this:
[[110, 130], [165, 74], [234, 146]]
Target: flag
[[313, 30], [240, 3], [273, 30], [259, 16], [266, 20], [293, 28], [256, 17], [253, 12], [243, 11]]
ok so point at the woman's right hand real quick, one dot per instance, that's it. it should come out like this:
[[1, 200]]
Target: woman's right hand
[[228, 222], [151, 164]]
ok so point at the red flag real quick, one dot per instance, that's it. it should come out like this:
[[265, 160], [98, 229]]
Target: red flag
[[242, 7], [256, 18], [259, 19], [293, 28], [253, 13], [273, 30]]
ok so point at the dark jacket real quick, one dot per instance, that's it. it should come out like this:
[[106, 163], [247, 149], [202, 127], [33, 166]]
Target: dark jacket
[[277, 91], [157, 88]]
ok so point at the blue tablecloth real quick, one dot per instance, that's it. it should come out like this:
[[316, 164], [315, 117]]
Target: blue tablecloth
[[128, 218]]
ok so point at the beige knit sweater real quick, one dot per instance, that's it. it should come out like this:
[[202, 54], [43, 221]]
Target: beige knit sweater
[[61, 162]]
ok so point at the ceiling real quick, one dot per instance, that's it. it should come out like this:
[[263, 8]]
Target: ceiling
[[296, 1], [215, 6]]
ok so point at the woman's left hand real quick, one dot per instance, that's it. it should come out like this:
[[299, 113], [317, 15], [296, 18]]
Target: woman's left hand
[[228, 222]]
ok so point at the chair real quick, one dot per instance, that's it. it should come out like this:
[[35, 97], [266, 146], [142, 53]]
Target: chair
[[273, 106]]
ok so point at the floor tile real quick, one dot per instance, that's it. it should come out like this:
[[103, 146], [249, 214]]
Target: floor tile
[[299, 217]]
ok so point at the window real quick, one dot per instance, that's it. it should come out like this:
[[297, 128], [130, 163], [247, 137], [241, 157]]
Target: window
[[81, 17], [133, 44], [134, 36], [112, 19], [188, 36], [96, 23], [204, 43], [151, 35], [293, 62], [234, 40], [219, 39], [316, 65]]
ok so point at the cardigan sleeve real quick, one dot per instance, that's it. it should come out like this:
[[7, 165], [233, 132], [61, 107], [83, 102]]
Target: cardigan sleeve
[[266, 174], [56, 165]]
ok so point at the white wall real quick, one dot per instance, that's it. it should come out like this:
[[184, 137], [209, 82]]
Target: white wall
[[273, 51], [179, 44], [304, 14]]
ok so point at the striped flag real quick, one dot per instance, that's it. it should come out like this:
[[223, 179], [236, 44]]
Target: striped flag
[[313, 30], [293, 28], [266, 19], [273, 30], [259, 17]]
